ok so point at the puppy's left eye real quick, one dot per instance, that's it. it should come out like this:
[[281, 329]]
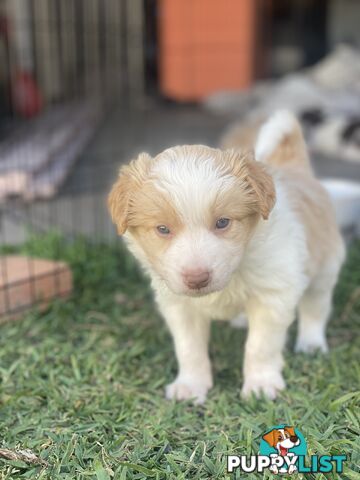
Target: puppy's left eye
[[163, 230], [222, 223]]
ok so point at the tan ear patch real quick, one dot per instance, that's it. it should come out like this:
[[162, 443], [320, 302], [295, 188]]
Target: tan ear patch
[[291, 431], [258, 182], [263, 185], [271, 437], [131, 177]]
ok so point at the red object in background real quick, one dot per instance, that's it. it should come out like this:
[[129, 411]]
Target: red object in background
[[26, 96], [205, 46], [4, 27]]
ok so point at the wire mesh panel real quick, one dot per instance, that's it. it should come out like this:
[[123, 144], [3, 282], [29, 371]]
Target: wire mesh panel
[[66, 65]]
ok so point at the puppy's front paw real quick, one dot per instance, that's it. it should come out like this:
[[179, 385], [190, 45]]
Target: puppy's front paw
[[184, 389], [266, 383]]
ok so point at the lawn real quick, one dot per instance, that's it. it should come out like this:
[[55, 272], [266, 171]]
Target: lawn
[[82, 384]]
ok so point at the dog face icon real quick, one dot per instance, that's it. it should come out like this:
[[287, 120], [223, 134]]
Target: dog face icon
[[282, 439]]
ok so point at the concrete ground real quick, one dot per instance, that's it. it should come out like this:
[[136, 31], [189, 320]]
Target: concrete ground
[[80, 205]]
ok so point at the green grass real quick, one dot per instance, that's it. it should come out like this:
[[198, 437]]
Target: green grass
[[82, 385]]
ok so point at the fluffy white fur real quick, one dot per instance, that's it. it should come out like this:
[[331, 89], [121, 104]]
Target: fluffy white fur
[[267, 283], [267, 280]]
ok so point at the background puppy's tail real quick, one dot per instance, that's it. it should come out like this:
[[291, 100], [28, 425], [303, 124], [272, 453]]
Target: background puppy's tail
[[280, 142]]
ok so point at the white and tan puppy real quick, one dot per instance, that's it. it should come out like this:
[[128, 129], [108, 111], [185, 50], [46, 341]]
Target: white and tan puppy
[[221, 234]]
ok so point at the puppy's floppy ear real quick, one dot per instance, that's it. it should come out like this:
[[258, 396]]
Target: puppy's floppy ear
[[258, 182], [262, 184], [271, 438], [291, 431], [130, 179]]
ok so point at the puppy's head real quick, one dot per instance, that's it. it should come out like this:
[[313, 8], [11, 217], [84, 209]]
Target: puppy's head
[[284, 437], [189, 213]]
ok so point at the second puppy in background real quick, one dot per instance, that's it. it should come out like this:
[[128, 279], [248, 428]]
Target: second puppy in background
[[223, 233]]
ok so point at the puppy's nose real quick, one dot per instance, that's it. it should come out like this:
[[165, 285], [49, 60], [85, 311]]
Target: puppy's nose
[[195, 279], [294, 438]]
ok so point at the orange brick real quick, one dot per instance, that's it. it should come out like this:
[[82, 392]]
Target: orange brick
[[26, 281]]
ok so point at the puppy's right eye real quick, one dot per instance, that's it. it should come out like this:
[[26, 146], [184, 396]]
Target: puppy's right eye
[[222, 223], [163, 230]]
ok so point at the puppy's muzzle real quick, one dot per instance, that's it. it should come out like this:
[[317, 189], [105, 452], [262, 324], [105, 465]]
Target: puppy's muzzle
[[196, 279]]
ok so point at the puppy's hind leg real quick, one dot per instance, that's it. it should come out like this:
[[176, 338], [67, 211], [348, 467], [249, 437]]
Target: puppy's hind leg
[[316, 302], [314, 311]]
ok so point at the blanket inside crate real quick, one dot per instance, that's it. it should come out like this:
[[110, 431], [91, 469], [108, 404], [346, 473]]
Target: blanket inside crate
[[36, 159]]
